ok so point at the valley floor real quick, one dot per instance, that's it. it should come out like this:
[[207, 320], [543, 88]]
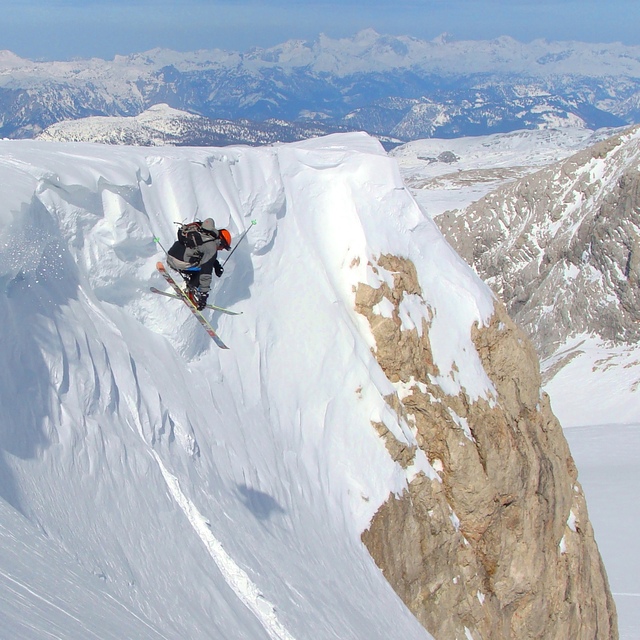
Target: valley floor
[[608, 460]]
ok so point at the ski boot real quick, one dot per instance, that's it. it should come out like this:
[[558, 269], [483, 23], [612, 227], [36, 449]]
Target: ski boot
[[198, 298]]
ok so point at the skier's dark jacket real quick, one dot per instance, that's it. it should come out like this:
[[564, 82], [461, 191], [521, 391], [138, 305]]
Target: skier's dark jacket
[[196, 250]]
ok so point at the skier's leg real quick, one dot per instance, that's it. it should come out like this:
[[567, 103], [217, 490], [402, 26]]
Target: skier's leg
[[204, 284]]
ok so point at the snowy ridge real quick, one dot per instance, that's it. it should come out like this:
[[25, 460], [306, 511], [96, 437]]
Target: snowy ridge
[[271, 442], [161, 125], [366, 51]]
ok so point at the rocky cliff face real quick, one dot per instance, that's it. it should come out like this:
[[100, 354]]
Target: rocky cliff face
[[561, 247], [499, 545]]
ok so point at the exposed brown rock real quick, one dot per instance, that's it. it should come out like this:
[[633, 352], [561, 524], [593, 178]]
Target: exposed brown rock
[[501, 545]]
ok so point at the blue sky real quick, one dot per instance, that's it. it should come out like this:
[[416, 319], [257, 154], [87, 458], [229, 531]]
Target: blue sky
[[62, 29]]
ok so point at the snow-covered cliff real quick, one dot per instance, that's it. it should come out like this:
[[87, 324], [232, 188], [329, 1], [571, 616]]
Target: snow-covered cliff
[[193, 492]]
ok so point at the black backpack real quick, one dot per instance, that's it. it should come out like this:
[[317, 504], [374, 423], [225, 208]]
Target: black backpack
[[189, 234]]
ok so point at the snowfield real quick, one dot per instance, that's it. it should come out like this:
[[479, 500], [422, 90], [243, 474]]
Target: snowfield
[[177, 489], [607, 457]]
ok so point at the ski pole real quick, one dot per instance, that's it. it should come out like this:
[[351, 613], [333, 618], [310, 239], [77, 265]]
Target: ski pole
[[157, 241], [239, 241]]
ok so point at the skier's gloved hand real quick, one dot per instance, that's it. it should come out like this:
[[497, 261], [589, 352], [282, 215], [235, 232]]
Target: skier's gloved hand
[[218, 268]]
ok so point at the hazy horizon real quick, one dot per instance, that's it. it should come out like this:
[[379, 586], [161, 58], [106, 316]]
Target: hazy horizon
[[66, 29]]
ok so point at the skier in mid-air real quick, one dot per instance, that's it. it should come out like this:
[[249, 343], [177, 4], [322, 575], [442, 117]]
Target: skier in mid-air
[[195, 255]]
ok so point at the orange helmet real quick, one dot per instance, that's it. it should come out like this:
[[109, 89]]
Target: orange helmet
[[225, 239]]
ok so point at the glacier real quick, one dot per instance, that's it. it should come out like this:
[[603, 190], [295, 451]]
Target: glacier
[[152, 480]]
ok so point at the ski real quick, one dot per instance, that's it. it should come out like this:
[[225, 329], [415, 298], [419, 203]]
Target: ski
[[209, 306], [180, 293]]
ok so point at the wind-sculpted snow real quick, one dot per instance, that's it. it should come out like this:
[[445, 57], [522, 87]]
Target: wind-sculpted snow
[[45, 594], [191, 492]]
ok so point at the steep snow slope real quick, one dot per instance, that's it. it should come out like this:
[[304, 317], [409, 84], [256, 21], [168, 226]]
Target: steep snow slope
[[46, 594], [208, 494]]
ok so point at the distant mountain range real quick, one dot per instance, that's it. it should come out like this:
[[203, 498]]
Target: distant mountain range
[[162, 125], [399, 88]]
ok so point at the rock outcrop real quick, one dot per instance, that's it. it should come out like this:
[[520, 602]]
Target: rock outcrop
[[499, 544], [561, 247]]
